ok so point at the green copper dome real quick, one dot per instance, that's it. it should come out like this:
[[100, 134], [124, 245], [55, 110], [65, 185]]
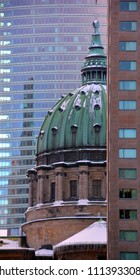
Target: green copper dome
[[79, 119]]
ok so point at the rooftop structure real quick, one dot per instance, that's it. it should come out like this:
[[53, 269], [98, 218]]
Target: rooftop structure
[[92, 239]]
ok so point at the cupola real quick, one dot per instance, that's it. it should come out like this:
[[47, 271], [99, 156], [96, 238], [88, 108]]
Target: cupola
[[94, 69]]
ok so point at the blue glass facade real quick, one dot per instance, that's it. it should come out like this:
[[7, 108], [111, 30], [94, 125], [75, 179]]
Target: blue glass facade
[[42, 46]]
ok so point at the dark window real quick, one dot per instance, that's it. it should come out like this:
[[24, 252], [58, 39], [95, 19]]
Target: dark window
[[128, 193], [97, 188], [54, 134], [73, 189], [74, 132], [128, 214], [52, 194]]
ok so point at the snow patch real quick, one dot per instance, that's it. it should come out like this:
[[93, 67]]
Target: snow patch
[[44, 252], [96, 233]]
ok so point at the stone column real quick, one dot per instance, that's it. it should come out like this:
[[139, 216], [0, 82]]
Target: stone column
[[34, 191], [30, 199], [103, 190], [31, 174], [41, 189], [83, 182], [59, 183], [38, 190], [41, 185]]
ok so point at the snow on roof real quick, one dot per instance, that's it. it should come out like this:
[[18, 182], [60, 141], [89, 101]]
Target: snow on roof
[[9, 244], [44, 252], [96, 233]]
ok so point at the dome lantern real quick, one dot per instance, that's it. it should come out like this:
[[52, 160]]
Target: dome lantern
[[94, 69]]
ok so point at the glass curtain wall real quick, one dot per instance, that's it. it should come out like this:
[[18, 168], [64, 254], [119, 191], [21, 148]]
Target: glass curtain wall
[[42, 48]]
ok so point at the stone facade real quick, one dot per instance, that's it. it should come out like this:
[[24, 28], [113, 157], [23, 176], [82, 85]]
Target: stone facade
[[54, 221], [84, 175]]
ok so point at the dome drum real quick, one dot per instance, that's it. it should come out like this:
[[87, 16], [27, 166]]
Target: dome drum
[[73, 156]]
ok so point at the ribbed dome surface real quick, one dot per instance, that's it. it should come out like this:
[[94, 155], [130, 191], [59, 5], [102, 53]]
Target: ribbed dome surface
[[78, 119]]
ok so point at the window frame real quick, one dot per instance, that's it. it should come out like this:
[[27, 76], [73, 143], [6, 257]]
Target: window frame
[[124, 173], [125, 235], [127, 85], [127, 193], [127, 65], [124, 26], [127, 46], [127, 133], [125, 103], [125, 153], [73, 189], [128, 254], [123, 6], [127, 214], [97, 189], [52, 192]]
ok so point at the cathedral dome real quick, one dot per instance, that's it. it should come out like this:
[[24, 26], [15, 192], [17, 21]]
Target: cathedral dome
[[79, 118], [67, 186]]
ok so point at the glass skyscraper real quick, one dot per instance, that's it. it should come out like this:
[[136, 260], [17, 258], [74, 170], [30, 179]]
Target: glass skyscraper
[[42, 45]]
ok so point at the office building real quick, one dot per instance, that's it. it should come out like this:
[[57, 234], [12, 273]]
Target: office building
[[42, 46], [123, 130]]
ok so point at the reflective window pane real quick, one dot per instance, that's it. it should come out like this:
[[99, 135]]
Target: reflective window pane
[[127, 65], [128, 26], [127, 46]]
